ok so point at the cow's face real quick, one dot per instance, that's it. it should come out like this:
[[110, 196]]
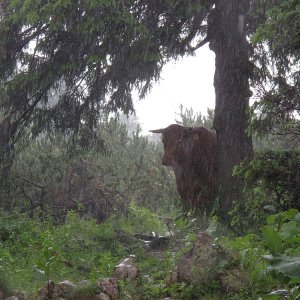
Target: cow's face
[[172, 138]]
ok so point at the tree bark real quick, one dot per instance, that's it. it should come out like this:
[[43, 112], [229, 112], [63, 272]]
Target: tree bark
[[227, 32]]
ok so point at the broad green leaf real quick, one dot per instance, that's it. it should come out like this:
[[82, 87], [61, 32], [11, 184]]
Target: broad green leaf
[[289, 230], [289, 214], [272, 240], [287, 265], [273, 219]]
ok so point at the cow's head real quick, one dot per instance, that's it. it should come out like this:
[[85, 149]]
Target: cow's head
[[174, 140]]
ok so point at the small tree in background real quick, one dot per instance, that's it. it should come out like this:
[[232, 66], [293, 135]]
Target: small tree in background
[[190, 118]]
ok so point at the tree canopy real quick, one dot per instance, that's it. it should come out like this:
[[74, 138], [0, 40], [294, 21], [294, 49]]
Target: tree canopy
[[63, 62], [277, 44]]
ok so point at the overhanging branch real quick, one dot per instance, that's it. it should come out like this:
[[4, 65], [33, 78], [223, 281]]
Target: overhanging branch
[[199, 45]]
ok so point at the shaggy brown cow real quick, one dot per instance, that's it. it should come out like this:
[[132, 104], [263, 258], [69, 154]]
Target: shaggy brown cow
[[192, 152]]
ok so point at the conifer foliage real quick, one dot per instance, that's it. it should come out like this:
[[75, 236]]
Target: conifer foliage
[[63, 62]]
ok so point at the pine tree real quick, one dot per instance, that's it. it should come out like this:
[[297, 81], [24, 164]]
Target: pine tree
[[277, 41]]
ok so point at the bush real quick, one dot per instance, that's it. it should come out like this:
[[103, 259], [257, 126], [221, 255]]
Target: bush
[[50, 176], [272, 183], [271, 256]]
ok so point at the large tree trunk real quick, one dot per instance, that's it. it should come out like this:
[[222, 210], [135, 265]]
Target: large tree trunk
[[228, 40]]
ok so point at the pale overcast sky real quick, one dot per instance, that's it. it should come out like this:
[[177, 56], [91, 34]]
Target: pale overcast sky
[[188, 81]]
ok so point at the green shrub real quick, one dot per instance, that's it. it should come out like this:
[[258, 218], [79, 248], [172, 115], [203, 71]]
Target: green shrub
[[282, 238], [272, 256], [272, 183], [56, 174]]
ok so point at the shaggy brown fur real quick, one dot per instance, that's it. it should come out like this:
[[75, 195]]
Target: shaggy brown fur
[[192, 153]]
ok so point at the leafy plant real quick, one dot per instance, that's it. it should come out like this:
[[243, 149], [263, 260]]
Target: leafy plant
[[50, 257], [272, 239], [287, 265], [271, 183], [282, 238]]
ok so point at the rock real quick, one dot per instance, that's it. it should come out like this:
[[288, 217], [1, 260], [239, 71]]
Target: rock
[[46, 291], [158, 243], [66, 287], [18, 295], [127, 270], [233, 280], [109, 287], [283, 293], [201, 263], [153, 242], [144, 237], [102, 296], [62, 290]]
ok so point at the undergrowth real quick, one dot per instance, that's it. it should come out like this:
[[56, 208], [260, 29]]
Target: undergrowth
[[32, 252]]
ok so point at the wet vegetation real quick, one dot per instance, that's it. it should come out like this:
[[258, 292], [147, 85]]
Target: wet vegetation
[[80, 218], [80, 190]]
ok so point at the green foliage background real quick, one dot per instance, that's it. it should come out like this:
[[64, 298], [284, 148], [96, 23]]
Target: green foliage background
[[56, 174]]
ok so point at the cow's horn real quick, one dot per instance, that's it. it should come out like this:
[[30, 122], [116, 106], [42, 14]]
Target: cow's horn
[[158, 130]]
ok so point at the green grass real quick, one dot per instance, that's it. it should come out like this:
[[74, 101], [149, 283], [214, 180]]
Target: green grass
[[32, 252]]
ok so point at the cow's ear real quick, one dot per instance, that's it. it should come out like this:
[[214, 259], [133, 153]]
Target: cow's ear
[[162, 130]]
